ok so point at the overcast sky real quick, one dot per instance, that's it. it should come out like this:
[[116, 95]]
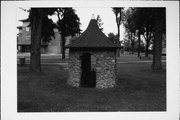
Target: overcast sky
[[85, 14]]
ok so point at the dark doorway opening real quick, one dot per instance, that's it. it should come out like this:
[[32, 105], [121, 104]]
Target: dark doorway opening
[[88, 76]]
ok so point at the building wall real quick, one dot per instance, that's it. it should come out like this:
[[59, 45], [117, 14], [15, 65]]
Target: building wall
[[68, 39], [104, 64], [24, 33], [54, 46], [24, 39]]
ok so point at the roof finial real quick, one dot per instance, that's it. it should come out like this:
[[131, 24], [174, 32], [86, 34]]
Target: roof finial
[[93, 17]]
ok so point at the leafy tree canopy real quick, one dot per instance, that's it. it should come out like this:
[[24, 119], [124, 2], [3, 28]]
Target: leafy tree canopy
[[99, 22], [143, 19], [68, 22], [118, 13], [113, 38], [47, 24]]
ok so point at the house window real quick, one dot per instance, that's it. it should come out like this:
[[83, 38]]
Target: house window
[[28, 37]]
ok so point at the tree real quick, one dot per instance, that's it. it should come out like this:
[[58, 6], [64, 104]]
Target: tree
[[68, 23], [138, 26], [130, 27], [139, 42], [159, 19], [41, 29], [118, 13], [132, 41], [142, 22], [113, 38], [47, 29], [126, 44], [150, 22], [146, 19], [131, 38], [99, 22]]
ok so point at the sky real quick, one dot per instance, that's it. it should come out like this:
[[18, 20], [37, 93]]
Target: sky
[[85, 14]]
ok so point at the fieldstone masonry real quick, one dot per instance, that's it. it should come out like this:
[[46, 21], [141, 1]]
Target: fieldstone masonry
[[104, 66], [96, 53]]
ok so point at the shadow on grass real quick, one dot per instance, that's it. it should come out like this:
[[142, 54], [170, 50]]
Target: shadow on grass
[[138, 89]]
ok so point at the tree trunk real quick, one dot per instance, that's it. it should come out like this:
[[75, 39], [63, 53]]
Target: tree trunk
[[118, 42], [36, 42], [156, 65], [157, 46], [132, 43], [147, 46], [118, 22], [139, 40], [63, 46]]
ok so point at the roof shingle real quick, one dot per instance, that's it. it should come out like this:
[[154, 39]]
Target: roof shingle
[[92, 37]]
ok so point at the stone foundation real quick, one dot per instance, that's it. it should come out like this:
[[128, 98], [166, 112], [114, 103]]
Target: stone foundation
[[103, 62]]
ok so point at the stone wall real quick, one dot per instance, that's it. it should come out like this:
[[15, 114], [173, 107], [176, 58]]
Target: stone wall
[[104, 67], [74, 68]]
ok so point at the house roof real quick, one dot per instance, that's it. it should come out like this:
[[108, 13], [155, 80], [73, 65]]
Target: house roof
[[24, 20], [92, 37], [19, 27]]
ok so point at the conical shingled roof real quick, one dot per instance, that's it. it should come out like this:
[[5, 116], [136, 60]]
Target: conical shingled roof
[[92, 37]]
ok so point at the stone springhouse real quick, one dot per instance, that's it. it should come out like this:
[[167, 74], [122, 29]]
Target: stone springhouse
[[92, 59]]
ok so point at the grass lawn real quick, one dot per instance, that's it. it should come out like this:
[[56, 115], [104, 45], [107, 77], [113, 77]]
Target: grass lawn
[[138, 89]]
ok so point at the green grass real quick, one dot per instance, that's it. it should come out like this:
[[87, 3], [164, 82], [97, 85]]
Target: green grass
[[138, 89]]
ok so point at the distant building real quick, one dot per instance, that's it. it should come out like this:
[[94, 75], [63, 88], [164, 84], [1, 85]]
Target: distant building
[[24, 37], [24, 40]]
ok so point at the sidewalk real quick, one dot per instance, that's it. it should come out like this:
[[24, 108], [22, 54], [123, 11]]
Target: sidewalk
[[56, 58], [43, 56], [28, 54]]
